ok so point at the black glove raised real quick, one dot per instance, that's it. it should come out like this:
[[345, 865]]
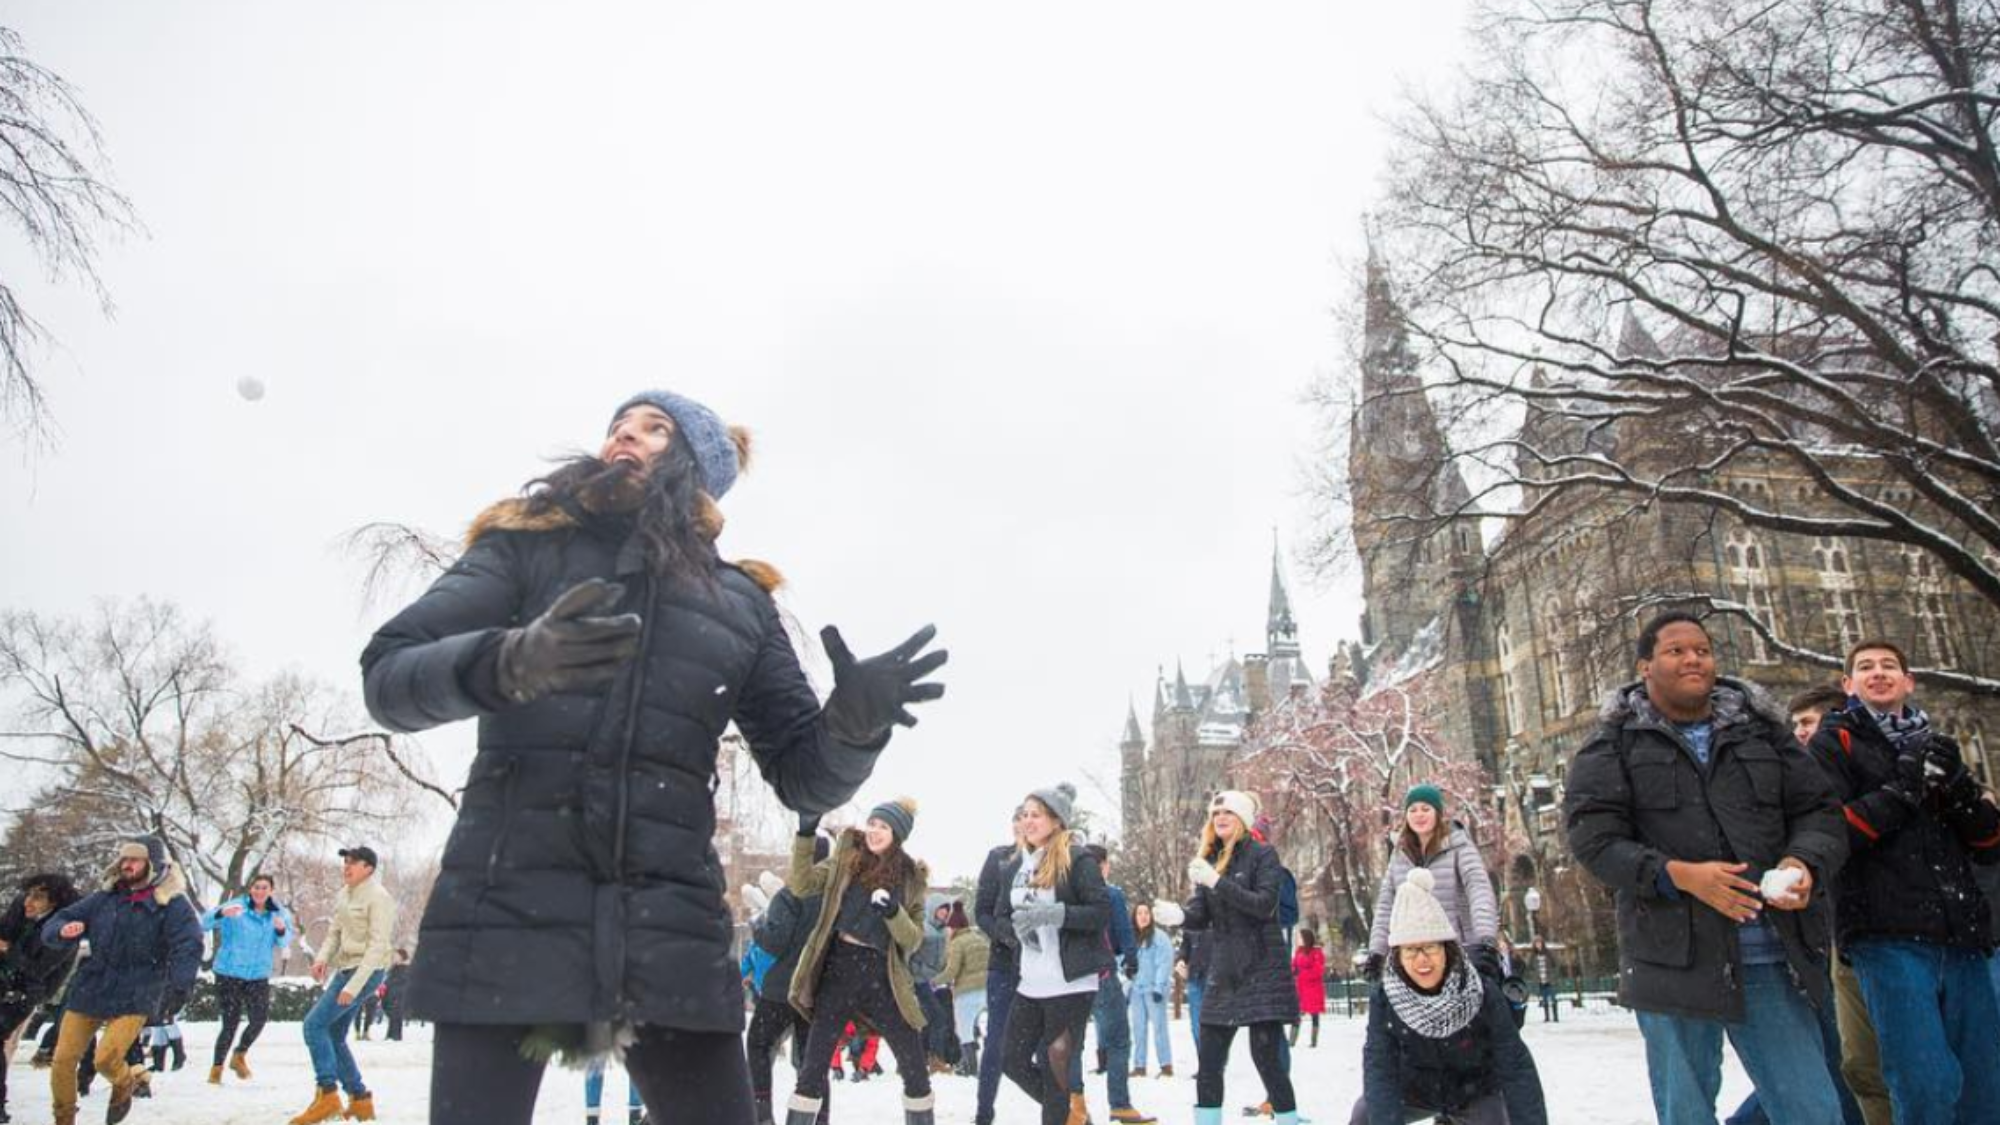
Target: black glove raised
[[569, 647], [808, 825], [1943, 771], [1486, 959], [871, 695], [1907, 783], [1373, 969]]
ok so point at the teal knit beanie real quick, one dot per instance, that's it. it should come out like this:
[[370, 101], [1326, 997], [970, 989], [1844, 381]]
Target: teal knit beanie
[[1429, 794]]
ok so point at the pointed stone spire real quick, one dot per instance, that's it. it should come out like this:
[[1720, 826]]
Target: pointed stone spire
[[1183, 698], [1634, 342], [1132, 735], [1281, 632], [1341, 669]]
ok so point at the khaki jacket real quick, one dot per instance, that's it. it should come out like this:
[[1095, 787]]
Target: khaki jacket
[[829, 879], [364, 928], [965, 962]]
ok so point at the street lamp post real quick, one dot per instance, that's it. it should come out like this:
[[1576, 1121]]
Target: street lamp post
[[1533, 901]]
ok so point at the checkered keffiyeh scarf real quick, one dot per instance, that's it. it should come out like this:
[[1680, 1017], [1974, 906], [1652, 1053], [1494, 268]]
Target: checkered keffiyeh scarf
[[1454, 1007]]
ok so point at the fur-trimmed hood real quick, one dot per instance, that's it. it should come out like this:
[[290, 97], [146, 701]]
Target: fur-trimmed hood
[[163, 875], [1734, 701], [515, 514]]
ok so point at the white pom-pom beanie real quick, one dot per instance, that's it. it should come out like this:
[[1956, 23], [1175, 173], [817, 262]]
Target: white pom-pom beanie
[[1417, 918], [1244, 805]]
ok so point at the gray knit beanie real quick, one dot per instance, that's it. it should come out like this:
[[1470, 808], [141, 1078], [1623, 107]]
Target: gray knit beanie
[[1059, 799], [714, 451], [900, 815]]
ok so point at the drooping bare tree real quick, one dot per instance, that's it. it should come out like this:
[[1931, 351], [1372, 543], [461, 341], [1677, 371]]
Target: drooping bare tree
[[134, 721], [1801, 199], [55, 192]]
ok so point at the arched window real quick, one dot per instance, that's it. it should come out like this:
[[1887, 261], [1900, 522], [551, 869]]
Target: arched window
[[1750, 583], [1555, 640], [1510, 692]]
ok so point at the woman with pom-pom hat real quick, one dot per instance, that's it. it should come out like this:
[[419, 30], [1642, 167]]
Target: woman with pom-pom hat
[[605, 645], [1248, 981], [856, 960], [1441, 1037]]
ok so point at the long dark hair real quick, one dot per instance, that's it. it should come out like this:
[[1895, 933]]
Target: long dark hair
[[889, 871], [1145, 932], [664, 508]]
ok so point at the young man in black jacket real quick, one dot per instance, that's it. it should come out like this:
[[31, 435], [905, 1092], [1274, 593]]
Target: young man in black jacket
[[1911, 917], [1689, 796], [30, 969]]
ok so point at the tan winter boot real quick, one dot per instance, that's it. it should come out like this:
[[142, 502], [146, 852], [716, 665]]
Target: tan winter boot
[[361, 1108], [1079, 1111], [215, 1076], [239, 1064], [325, 1107], [1166, 1070]]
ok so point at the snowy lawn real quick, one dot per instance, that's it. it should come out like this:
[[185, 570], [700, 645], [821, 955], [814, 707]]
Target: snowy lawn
[[1593, 1069]]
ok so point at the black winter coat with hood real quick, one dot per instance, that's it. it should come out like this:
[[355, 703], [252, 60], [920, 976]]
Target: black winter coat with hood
[[32, 969], [782, 933], [1909, 873], [580, 884], [1006, 957], [1402, 1066], [1249, 977], [145, 942], [1639, 797]]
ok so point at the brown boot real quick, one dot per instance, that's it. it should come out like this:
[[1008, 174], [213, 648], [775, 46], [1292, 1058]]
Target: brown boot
[[239, 1064], [361, 1108], [122, 1094], [1167, 1070], [325, 1107], [1079, 1111], [215, 1076]]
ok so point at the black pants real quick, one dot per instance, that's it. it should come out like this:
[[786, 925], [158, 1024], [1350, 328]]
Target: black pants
[[1044, 1038], [478, 1076], [854, 985], [239, 998], [12, 1015], [392, 1006], [769, 1025], [1265, 1041]]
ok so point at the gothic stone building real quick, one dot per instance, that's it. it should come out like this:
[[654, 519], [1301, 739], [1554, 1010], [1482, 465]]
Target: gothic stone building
[[1531, 630]]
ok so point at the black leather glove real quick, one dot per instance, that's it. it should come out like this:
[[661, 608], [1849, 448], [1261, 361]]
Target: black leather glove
[[1131, 966], [1907, 783], [869, 696], [1159, 997], [569, 647], [1486, 959], [882, 902], [1943, 771], [1372, 971], [808, 825]]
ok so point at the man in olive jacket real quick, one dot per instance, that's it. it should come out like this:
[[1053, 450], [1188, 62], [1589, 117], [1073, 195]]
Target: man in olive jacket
[[1685, 798]]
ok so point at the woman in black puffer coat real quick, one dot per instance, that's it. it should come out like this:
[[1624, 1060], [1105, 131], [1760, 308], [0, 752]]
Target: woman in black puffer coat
[[605, 647], [1249, 982], [1441, 1035]]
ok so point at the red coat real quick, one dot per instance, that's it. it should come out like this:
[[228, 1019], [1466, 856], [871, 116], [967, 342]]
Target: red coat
[[1309, 972]]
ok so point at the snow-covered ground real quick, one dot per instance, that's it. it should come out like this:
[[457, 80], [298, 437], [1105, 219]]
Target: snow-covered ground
[[1593, 1069]]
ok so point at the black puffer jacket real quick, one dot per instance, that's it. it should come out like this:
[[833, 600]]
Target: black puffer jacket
[[580, 884], [32, 969], [782, 933], [1006, 958], [1086, 916], [1401, 1066], [1638, 797], [1249, 977], [1909, 875]]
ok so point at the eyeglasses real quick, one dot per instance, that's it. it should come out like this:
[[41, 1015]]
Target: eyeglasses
[[1430, 952]]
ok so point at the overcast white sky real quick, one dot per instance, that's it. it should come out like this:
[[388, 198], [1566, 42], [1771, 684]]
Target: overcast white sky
[[1019, 299]]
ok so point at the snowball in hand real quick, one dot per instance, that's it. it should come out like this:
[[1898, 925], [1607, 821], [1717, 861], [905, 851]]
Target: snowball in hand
[[250, 387], [1779, 882]]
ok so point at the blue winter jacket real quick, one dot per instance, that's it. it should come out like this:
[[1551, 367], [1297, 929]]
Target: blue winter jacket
[[250, 941], [143, 943], [1123, 938], [1156, 965]]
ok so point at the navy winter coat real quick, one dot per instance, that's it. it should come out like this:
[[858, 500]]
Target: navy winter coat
[[580, 883], [1249, 979], [782, 933], [1403, 1067], [143, 943]]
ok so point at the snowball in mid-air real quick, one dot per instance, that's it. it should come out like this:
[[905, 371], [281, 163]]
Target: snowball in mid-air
[[250, 387]]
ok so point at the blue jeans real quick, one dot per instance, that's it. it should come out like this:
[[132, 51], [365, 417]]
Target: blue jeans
[[965, 1009], [1000, 986], [326, 1034], [1778, 1043], [593, 1088], [1194, 990], [1938, 1027], [1150, 1013], [1751, 1112], [1114, 1037]]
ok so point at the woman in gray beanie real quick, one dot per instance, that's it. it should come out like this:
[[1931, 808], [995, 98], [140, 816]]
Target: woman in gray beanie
[[856, 960], [1053, 909], [605, 646]]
